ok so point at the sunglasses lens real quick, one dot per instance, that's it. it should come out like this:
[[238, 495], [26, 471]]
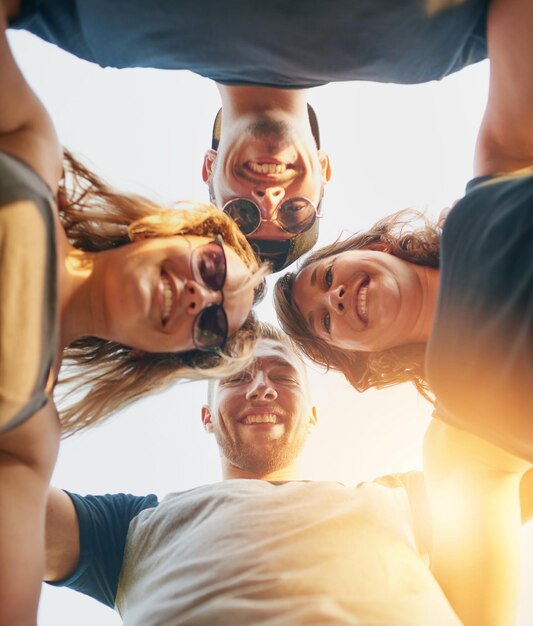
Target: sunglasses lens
[[296, 215], [210, 328], [245, 214], [209, 265]]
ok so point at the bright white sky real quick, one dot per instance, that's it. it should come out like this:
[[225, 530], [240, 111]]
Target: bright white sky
[[391, 147]]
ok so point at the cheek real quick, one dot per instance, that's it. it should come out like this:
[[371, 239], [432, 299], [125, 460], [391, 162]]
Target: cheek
[[364, 341], [343, 336], [227, 400]]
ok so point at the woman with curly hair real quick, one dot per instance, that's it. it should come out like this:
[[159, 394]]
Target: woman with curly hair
[[378, 307], [130, 295], [364, 305]]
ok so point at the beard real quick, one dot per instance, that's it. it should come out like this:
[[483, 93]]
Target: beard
[[277, 132], [263, 458]]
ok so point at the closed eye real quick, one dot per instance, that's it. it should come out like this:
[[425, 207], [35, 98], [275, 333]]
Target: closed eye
[[284, 379]]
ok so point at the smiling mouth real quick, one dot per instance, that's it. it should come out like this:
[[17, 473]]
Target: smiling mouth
[[267, 168], [263, 418], [270, 170], [362, 302], [168, 298]]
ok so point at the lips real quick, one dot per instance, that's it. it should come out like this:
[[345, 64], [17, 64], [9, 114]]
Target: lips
[[268, 170], [361, 301], [265, 416], [168, 300]]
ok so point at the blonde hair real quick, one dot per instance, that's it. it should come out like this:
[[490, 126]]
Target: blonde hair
[[398, 235], [100, 376]]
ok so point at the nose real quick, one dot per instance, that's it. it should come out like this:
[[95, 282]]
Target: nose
[[196, 297], [335, 298], [260, 388], [268, 198]]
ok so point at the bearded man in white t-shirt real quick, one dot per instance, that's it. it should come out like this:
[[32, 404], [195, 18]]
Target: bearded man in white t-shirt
[[264, 547]]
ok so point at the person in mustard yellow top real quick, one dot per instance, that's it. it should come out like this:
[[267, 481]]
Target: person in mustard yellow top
[[132, 295]]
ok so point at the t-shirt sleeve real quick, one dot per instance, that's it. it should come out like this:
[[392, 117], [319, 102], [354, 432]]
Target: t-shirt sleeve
[[103, 526], [415, 488]]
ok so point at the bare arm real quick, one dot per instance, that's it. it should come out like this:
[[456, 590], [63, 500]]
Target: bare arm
[[62, 536], [27, 458], [26, 130], [505, 141], [473, 489]]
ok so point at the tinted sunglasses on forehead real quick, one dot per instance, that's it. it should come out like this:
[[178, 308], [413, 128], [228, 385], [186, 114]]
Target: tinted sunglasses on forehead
[[209, 267]]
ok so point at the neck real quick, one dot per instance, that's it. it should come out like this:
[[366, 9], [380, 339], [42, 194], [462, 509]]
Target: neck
[[291, 472], [76, 304], [429, 278], [239, 101]]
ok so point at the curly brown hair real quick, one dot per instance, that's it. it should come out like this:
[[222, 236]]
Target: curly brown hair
[[99, 376], [399, 235]]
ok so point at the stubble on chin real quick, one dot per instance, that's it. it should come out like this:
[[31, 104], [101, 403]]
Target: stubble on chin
[[277, 131], [256, 459]]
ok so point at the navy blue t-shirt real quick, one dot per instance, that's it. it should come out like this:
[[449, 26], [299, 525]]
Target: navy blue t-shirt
[[301, 43], [103, 522], [480, 354]]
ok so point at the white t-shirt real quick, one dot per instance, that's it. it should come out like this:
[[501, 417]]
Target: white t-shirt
[[252, 552]]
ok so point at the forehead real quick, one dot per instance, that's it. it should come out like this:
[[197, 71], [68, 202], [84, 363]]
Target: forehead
[[306, 280], [271, 352]]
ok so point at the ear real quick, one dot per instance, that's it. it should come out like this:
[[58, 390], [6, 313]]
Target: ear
[[207, 419], [325, 165], [313, 420], [207, 167]]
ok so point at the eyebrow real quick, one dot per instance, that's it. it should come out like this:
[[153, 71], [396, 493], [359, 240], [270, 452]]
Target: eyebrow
[[313, 276], [311, 315]]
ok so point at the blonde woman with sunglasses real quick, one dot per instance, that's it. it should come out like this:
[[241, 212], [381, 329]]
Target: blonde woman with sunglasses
[[128, 295]]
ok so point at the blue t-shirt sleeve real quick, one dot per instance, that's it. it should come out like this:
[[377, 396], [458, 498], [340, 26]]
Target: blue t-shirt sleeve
[[103, 523]]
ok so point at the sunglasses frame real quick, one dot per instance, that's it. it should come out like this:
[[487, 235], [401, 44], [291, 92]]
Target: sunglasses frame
[[219, 307], [274, 219]]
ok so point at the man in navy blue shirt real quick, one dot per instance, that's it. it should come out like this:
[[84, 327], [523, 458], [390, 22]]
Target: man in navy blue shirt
[[266, 166]]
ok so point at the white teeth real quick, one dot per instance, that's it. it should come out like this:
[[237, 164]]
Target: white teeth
[[167, 297], [267, 168], [270, 418], [361, 303]]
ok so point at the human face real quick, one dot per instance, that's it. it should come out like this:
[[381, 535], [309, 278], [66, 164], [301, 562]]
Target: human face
[[152, 297], [261, 416], [361, 300], [267, 161]]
